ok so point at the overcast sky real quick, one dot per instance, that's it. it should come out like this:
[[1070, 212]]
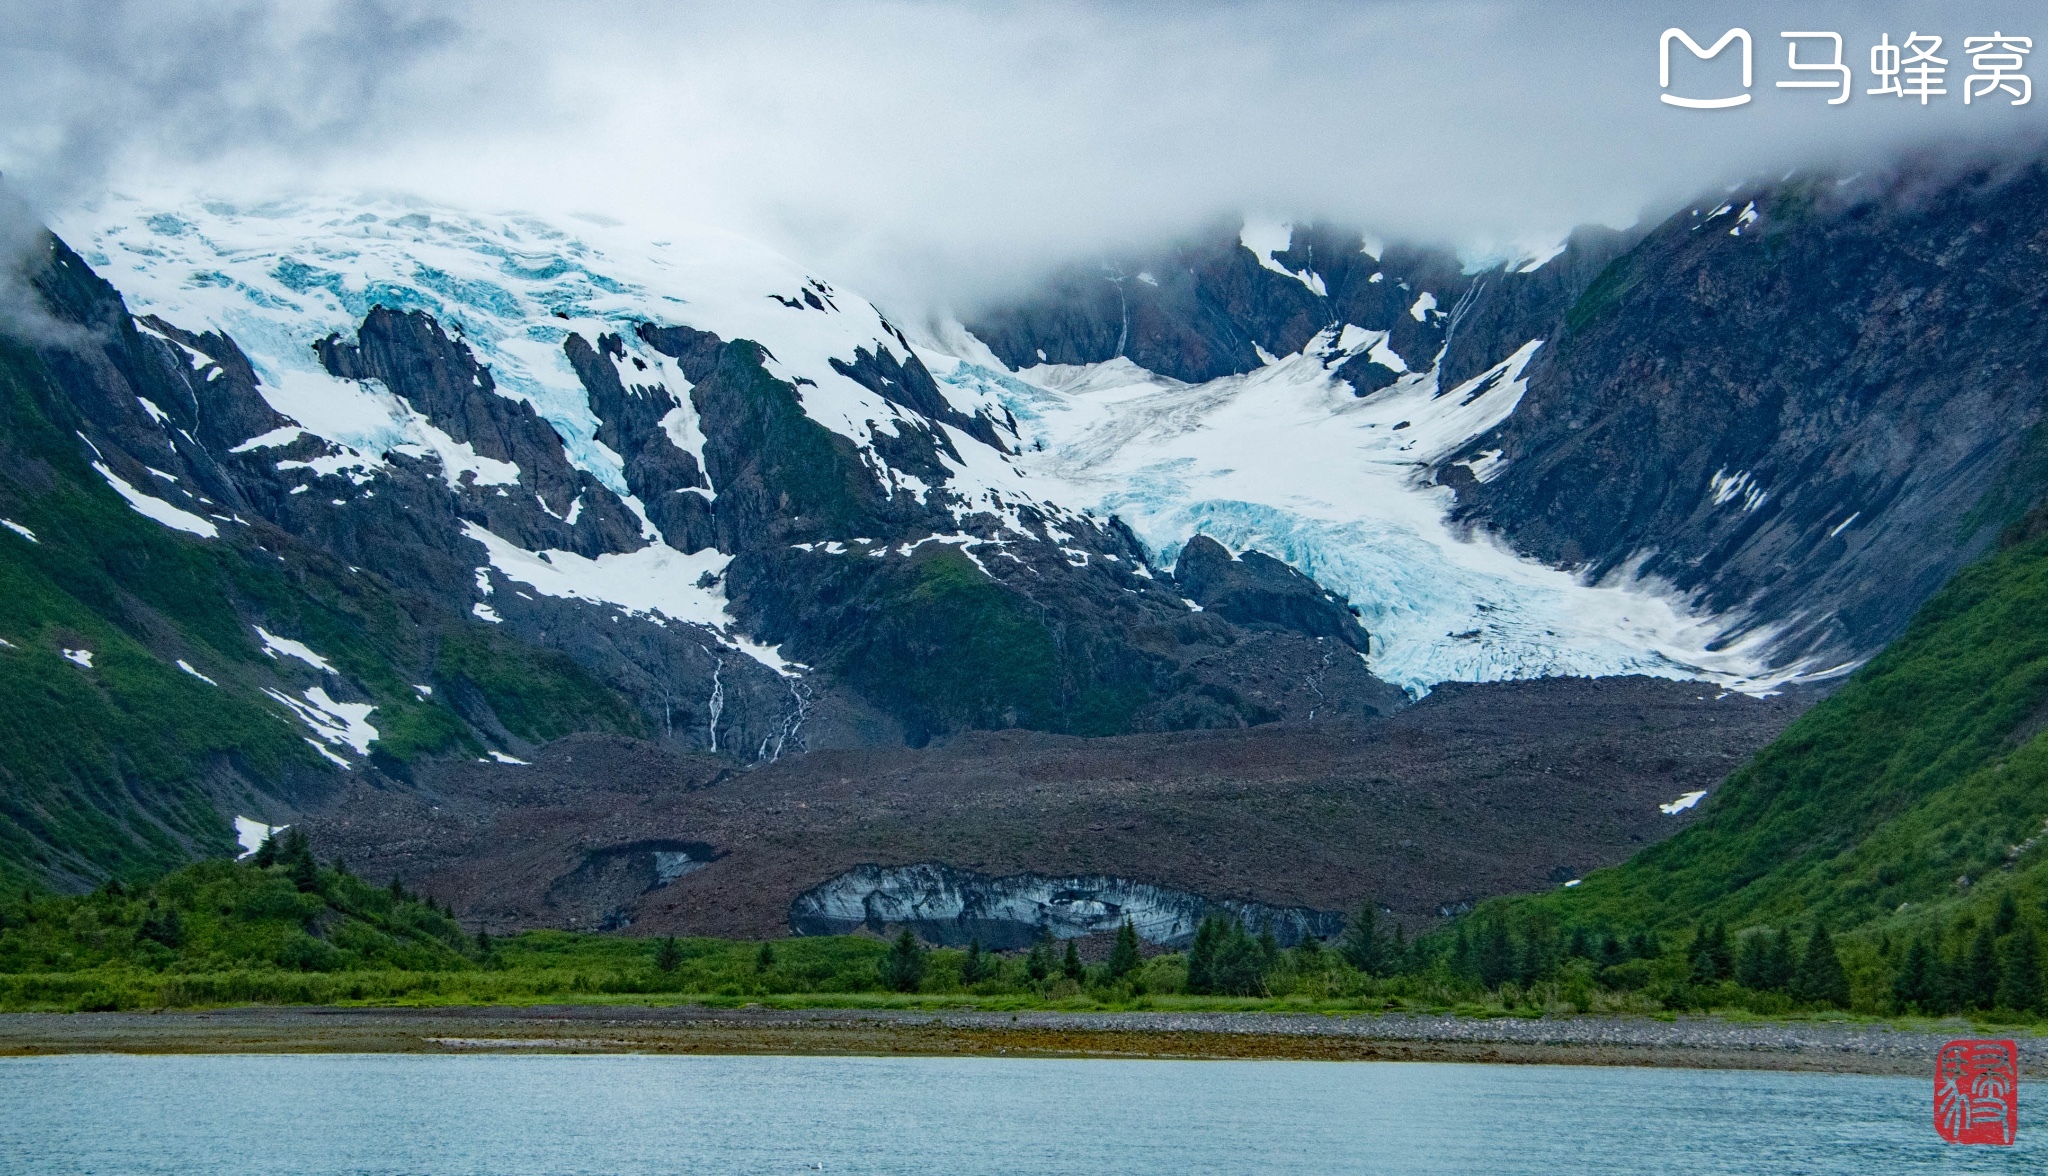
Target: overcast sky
[[938, 152]]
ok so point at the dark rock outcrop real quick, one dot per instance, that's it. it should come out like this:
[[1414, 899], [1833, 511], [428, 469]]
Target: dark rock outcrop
[[1260, 592]]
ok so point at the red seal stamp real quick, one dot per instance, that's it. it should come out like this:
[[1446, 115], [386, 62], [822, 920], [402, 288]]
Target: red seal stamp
[[1977, 1092]]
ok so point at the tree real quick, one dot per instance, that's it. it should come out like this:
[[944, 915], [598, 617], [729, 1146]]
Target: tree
[[1461, 962], [974, 967], [1916, 983], [668, 954], [1202, 956], [163, 926], [1070, 964], [1579, 947], [1362, 947], [2019, 986], [1643, 945], [266, 853], [300, 861], [764, 960], [1123, 956], [1494, 954], [1611, 951], [1710, 955], [1038, 965], [1765, 962], [1820, 978], [483, 943], [1308, 954], [902, 968], [1981, 969], [1240, 963], [1269, 951], [2008, 915]]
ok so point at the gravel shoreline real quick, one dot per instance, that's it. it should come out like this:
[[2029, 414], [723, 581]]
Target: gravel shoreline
[[1701, 1042]]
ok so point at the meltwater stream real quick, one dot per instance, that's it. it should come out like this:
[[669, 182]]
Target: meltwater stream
[[324, 1114]]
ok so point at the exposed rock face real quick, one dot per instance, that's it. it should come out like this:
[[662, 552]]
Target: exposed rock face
[[955, 907], [1260, 592], [1209, 307], [1815, 401]]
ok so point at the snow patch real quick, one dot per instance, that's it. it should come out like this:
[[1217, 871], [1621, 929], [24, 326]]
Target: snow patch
[[343, 724], [283, 435], [1424, 304], [1265, 238], [187, 667], [81, 657], [273, 645], [250, 834], [157, 509], [1682, 803], [502, 758], [655, 581], [20, 530]]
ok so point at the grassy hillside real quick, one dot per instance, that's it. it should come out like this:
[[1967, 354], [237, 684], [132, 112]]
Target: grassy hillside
[[126, 767], [1905, 813]]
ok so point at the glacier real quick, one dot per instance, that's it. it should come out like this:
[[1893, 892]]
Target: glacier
[[1288, 461]]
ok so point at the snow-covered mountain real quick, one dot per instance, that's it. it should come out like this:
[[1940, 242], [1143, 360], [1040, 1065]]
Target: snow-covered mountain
[[1284, 459]]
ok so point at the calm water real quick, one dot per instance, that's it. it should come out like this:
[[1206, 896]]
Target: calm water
[[499, 1114]]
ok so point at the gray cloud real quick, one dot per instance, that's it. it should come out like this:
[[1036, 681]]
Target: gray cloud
[[934, 152]]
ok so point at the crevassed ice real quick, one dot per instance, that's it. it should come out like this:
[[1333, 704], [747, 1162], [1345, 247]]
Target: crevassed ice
[[1286, 460]]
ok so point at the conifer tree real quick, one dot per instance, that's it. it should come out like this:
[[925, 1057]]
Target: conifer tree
[[1070, 964], [1494, 954], [1821, 979], [1711, 959], [668, 954], [1610, 951], [2008, 915], [764, 960], [1202, 956], [1982, 969], [1644, 946], [1398, 951], [1461, 961], [1362, 947], [1751, 962], [1780, 966], [902, 969], [2019, 986], [1579, 947], [266, 853], [1240, 968], [1269, 951], [1038, 965], [1916, 983], [298, 857], [973, 964], [1124, 958]]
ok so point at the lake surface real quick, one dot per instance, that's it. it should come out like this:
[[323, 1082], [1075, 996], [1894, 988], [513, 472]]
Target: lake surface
[[622, 1114]]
